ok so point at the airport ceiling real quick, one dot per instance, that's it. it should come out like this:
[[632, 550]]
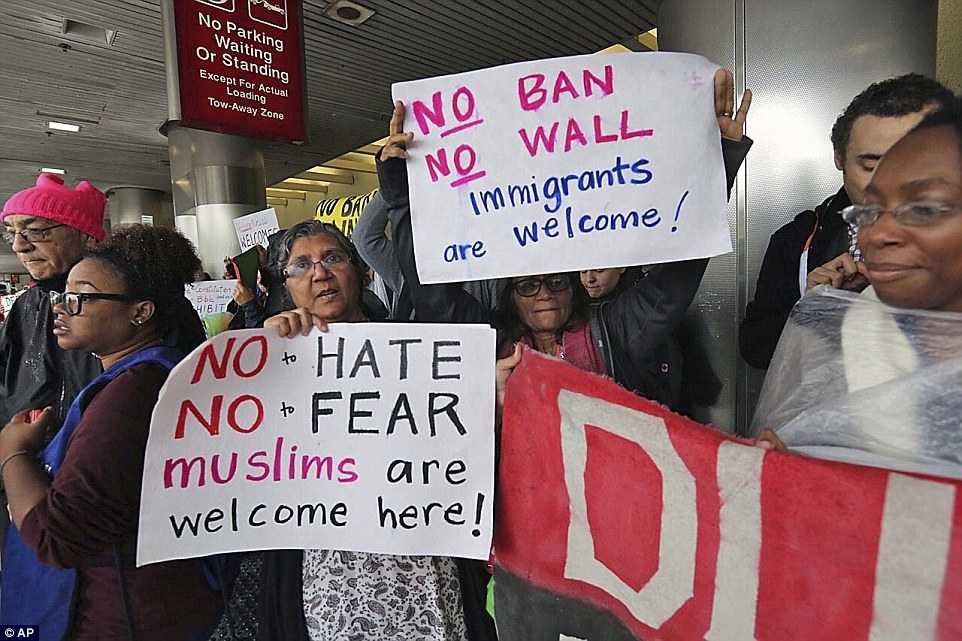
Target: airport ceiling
[[118, 92]]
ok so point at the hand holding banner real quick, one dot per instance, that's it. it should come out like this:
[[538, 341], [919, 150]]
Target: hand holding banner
[[619, 520]]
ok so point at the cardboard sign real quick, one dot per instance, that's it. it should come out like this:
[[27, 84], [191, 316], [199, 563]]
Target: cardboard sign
[[253, 229], [240, 67], [567, 164], [343, 212], [619, 520], [370, 437]]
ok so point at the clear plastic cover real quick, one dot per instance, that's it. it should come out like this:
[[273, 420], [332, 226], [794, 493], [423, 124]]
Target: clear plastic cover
[[856, 380]]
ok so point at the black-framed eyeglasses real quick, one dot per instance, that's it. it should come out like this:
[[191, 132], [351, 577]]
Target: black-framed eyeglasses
[[333, 260], [911, 214], [72, 302], [531, 286], [30, 234]]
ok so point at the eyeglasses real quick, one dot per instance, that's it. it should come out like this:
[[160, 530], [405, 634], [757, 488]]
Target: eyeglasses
[[73, 301], [531, 286], [911, 214], [30, 235], [333, 260]]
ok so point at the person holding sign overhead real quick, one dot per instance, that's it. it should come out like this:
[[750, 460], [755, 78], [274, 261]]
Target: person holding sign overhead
[[339, 595], [551, 312], [69, 564]]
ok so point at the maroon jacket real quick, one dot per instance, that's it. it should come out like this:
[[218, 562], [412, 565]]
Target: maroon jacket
[[94, 502]]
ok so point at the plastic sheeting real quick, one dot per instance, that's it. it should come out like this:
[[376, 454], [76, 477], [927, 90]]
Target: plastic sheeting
[[853, 379]]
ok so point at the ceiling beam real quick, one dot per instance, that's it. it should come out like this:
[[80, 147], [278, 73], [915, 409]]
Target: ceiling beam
[[304, 185], [293, 194], [341, 179]]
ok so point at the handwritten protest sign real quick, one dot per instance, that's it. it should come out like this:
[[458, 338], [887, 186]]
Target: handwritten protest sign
[[618, 520], [210, 296], [571, 163], [343, 212], [210, 299], [253, 229], [7, 301], [370, 437]]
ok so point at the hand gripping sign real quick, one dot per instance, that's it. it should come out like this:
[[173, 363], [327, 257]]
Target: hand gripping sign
[[570, 163], [369, 437], [619, 520]]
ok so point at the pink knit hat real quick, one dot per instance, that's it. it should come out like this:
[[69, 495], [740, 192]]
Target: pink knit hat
[[81, 207]]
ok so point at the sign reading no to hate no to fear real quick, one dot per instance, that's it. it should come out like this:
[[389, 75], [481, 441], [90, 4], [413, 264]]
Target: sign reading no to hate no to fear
[[240, 67], [570, 163], [369, 437]]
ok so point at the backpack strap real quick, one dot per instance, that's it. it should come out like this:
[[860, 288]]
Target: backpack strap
[[599, 333]]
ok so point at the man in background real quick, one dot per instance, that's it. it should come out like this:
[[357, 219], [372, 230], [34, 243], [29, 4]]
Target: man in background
[[50, 227], [818, 247]]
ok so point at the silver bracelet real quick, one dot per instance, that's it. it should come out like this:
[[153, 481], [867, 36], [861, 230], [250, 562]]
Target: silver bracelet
[[10, 457]]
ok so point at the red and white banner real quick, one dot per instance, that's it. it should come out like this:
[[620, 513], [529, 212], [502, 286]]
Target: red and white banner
[[241, 68], [617, 519]]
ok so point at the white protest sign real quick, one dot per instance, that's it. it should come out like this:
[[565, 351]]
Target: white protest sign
[[253, 229], [370, 437], [210, 296], [7, 301], [565, 164]]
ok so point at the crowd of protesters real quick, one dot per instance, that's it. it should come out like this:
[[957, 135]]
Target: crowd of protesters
[[86, 349]]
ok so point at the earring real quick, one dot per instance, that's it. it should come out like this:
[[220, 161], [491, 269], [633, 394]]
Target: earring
[[137, 322]]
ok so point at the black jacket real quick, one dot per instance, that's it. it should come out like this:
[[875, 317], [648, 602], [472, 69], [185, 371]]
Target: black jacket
[[35, 371], [632, 332], [777, 289]]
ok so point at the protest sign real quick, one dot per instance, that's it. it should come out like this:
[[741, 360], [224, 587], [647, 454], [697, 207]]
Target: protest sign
[[343, 212], [369, 437], [253, 229], [210, 298], [567, 164], [619, 520], [7, 301]]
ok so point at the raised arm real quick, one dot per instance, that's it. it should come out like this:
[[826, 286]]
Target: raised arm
[[447, 303], [377, 250], [640, 320]]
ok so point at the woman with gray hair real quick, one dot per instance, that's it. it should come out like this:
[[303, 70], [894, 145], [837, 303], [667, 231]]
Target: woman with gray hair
[[339, 595]]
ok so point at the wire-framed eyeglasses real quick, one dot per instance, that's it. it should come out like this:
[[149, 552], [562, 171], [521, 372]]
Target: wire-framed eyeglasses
[[912, 214], [332, 260], [30, 234]]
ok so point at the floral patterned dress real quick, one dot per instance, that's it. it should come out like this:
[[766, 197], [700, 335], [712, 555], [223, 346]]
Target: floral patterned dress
[[359, 596]]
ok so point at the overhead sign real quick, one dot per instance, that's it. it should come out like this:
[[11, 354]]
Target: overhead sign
[[618, 520], [241, 69], [369, 437], [567, 164]]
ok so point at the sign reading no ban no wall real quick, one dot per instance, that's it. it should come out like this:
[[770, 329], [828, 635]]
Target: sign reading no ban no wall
[[570, 163]]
